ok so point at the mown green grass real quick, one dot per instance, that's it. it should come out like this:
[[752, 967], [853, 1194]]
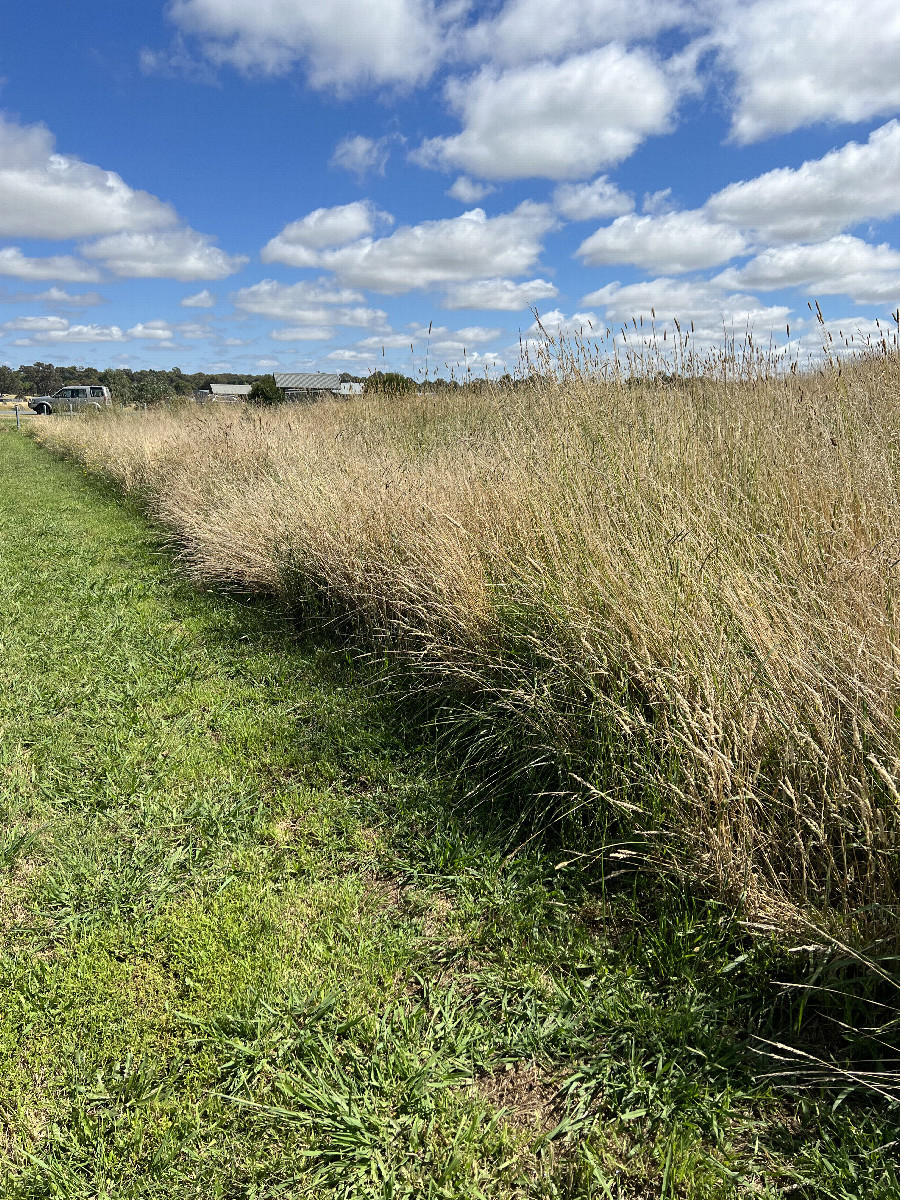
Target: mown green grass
[[256, 945]]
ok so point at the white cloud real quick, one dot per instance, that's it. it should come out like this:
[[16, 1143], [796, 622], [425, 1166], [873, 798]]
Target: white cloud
[[341, 42], [469, 191], [50, 195], [851, 184], [204, 299], [359, 358], [591, 201], [438, 341], [195, 330], [469, 335], [850, 333], [64, 267], [556, 324], [270, 298], [153, 331], [57, 297], [843, 265], [436, 252], [299, 244], [303, 333], [361, 156], [804, 61], [557, 120], [387, 341], [501, 295], [308, 304], [525, 30], [54, 297], [672, 244], [689, 301], [171, 254], [76, 333], [658, 204], [36, 324]]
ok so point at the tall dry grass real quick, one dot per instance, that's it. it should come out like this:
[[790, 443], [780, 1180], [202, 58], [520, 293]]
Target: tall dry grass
[[672, 600]]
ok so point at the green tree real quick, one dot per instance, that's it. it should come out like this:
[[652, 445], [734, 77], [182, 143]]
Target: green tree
[[120, 384], [45, 379], [152, 388], [265, 391], [388, 383], [11, 382]]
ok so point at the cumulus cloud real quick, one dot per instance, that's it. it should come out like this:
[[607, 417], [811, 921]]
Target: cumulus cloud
[[63, 267], [435, 339], [591, 201], [75, 334], [556, 120], [152, 331], [300, 243], [196, 330], [204, 299], [556, 324], [469, 191], [358, 358], [361, 156], [170, 254], [448, 251], [501, 295], [689, 301], [525, 30], [302, 303], [303, 333], [804, 61], [673, 244], [843, 265], [54, 297], [50, 195], [823, 196], [310, 309], [36, 324], [341, 43]]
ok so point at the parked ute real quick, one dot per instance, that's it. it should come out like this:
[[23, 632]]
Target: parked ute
[[74, 397]]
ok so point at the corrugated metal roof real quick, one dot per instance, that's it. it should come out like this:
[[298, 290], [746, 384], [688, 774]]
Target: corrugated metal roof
[[230, 389], [317, 381]]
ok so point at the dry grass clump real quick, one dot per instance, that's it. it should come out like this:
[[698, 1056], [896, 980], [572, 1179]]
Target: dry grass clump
[[676, 596]]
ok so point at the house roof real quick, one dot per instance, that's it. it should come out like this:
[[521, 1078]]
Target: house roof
[[317, 381], [230, 389]]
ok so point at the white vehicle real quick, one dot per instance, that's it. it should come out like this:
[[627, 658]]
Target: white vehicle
[[74, 397]]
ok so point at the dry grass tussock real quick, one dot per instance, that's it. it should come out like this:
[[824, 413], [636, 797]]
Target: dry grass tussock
[[679, 593]]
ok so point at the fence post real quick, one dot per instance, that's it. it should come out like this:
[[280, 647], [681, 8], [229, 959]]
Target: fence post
[[16, 408]]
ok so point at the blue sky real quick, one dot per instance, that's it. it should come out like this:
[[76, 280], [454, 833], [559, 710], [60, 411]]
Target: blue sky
[[288, 184]]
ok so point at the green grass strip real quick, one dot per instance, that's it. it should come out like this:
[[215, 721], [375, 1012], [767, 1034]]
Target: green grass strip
[[254, 947]]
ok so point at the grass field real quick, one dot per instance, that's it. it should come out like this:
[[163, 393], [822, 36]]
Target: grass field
[[259, 942], [665, 606]]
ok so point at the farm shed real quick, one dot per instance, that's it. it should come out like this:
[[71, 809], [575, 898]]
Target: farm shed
[[306, 386], [229, 391]]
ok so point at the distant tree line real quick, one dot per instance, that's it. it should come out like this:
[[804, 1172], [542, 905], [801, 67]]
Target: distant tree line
[[126, 386], [154, 387]]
